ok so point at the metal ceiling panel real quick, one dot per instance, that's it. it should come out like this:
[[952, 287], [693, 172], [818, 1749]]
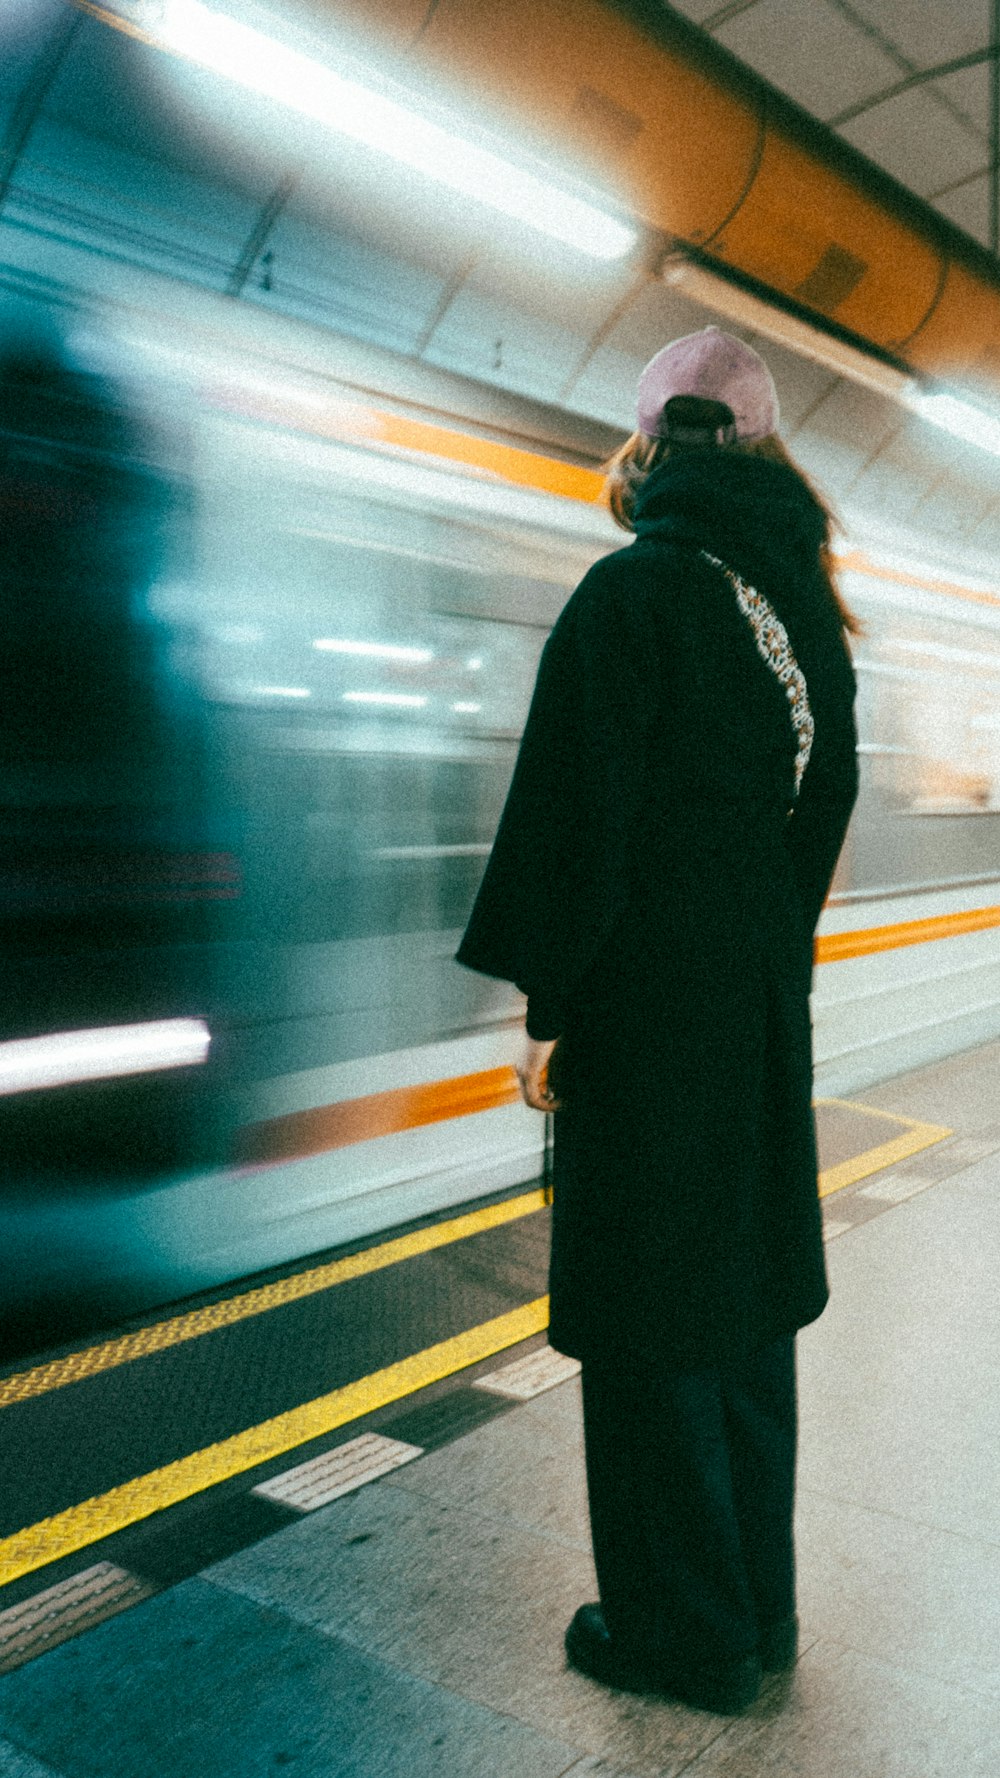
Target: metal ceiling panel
[[810, 51], [852, 419], [830, 463], [657, 314], [540, 278], [927, 32], [606, 388], [969, 91], [833, 56], [916, 140], [969, 206], [986, 536], [605, 385], [698, 11]]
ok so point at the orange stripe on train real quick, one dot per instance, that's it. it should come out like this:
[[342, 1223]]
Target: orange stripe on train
[[836, 947], [302, 1133]]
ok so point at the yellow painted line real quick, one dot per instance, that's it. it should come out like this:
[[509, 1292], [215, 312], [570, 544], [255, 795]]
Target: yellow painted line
[[76, 1528], [834, 947], [80, 1526], [916, 1136], [163, 1334]]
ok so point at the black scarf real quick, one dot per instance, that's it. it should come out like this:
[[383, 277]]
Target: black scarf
[[756, 515]]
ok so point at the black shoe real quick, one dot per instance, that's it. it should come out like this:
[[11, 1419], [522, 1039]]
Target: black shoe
[[725, 1687], [779, 1644]]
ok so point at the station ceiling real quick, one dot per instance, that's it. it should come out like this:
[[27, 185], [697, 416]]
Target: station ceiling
[[883, 75], [130, 178]]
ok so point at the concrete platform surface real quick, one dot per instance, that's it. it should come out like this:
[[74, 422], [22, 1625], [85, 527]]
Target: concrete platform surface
[[414, 1627]]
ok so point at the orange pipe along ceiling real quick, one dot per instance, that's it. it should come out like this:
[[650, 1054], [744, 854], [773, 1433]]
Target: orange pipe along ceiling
[[711, 156]]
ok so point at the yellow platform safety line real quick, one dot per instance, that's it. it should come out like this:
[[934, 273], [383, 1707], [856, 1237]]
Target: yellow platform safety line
[[173, 1332], [161, 1335], [916, 1137], [79, 1526]]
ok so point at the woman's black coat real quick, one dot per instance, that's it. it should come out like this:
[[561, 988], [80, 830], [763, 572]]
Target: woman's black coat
[[652, 894]]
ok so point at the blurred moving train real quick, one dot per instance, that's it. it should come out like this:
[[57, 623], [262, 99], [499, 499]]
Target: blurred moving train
[[349, 612]]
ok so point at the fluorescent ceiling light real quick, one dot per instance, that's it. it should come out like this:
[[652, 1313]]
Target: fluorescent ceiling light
[[407, 699], [30, 1063], [467, 709], [773, 323], [282, 691], [225, 46], [960, 418], [382, 651], [799, 335]]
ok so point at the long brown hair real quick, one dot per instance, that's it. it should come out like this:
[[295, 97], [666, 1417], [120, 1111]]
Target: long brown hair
[[630, 467]]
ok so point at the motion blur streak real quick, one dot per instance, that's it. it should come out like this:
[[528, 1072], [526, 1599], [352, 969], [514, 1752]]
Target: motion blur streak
[[64, 1056], [260, 63], [960, 418]]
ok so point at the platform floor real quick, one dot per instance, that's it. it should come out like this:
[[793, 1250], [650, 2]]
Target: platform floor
[[414, 1626]]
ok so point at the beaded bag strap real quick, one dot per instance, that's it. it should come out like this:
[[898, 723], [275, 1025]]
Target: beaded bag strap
[[775, 650]]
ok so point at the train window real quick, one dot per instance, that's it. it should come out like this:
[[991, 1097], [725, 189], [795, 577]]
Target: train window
[[370, 654]]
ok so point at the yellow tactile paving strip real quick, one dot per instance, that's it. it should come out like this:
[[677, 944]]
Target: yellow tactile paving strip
[[914, 1137], [80, 1526], [162, 1334], [90, 1521], [299, 1134]]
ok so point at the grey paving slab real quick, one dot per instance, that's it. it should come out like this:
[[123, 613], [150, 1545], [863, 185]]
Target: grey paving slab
[[844, 1715], [526, 1468], [198, 1683], [469, 1603], [979, 1177], [960, 1091], [924, 1600], [899, 1393], [21, 1765], [843, 1131]]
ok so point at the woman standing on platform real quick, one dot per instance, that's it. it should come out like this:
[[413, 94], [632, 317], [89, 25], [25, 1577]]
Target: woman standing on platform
[[681, 795]]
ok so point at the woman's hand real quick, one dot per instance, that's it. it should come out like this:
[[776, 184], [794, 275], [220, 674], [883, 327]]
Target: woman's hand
[[532, 1073]]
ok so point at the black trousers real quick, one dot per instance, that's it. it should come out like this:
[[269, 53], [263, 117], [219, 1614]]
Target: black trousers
[[691, 1480]]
